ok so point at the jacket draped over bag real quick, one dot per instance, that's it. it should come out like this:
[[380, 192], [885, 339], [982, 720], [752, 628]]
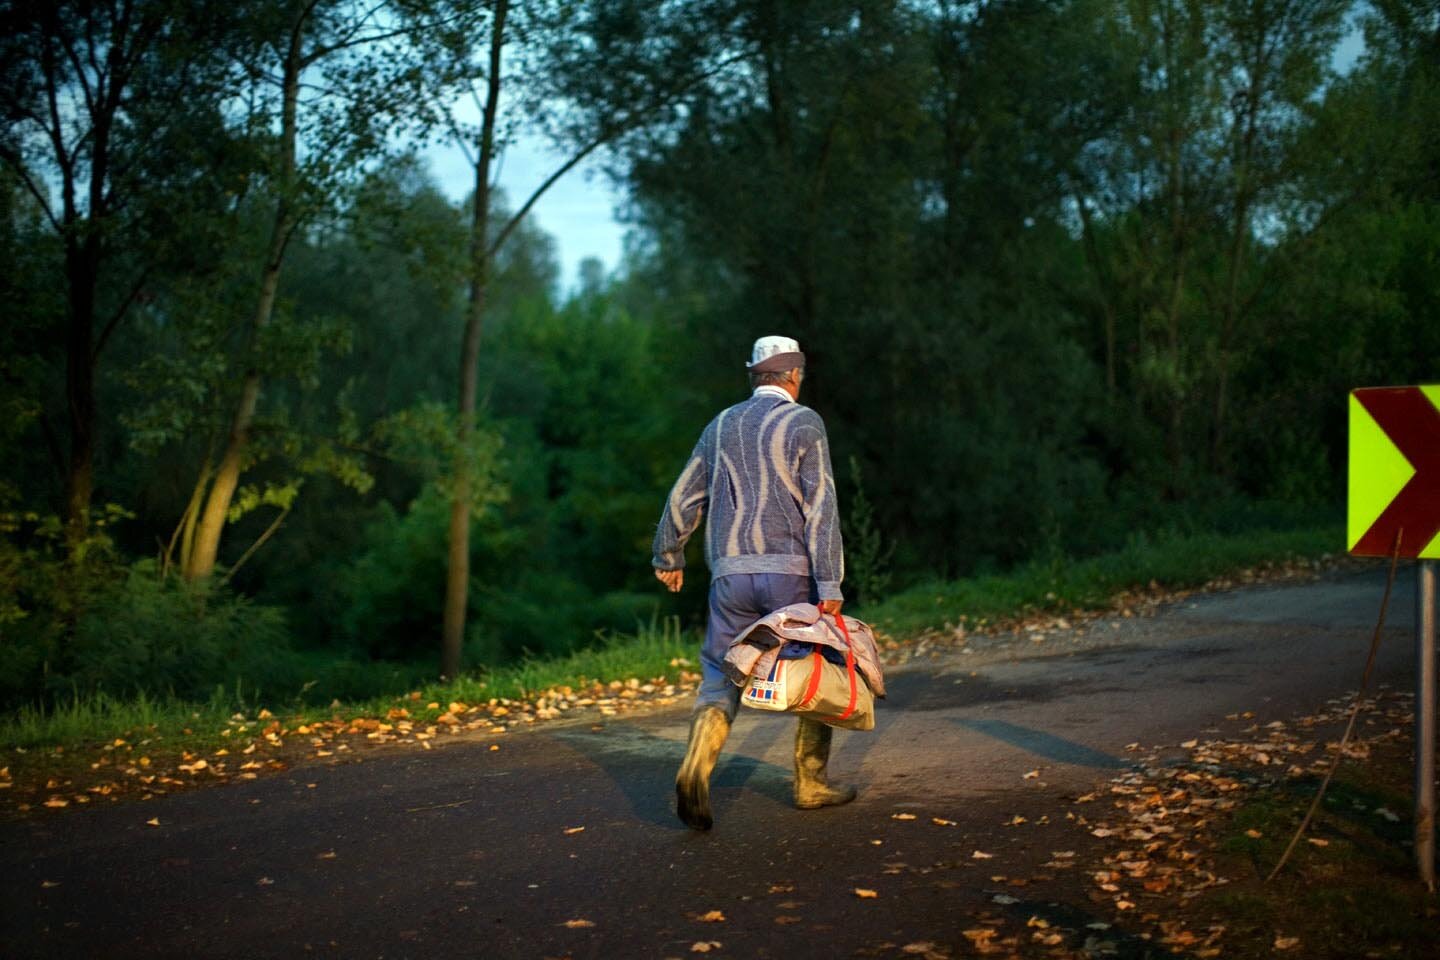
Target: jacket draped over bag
[[842, 696]]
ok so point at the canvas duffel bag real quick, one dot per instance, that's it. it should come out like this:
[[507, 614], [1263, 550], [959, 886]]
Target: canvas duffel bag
[[813, 686]]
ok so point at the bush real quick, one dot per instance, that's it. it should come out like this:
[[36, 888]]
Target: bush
[[166, 636]]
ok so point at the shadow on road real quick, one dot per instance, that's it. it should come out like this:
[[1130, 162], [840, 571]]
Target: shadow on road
[[1043, 744], [642, 765]]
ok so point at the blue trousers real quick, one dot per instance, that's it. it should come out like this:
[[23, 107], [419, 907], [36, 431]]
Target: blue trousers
[[736, 601]]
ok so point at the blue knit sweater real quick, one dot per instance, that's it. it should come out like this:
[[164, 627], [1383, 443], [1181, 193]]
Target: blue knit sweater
[[762, 469]]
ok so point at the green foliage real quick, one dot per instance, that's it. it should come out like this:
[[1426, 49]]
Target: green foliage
[[429, 438], [1074, 277], [867, 555], [385, 601], [1061, 584], [166, 636], [80, 620], [250, 497], [45, 586]]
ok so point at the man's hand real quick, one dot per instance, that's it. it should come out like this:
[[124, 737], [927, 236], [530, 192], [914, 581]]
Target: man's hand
[[673, 579], [831, 607]]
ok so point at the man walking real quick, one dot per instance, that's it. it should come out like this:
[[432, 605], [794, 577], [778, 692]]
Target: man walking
[[762, 472]]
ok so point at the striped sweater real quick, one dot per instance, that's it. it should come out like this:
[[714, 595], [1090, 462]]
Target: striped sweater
[[762, 469]]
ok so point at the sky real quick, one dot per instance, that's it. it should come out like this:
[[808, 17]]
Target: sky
[[578, 210]]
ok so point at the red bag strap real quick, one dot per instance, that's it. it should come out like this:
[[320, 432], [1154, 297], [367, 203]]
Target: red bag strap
[[849, 667], [813, 687]]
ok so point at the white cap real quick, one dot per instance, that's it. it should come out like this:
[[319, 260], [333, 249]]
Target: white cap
[[774, 354]]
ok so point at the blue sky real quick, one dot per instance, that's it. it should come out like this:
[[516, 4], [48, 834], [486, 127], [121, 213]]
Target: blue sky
[[578, 210]]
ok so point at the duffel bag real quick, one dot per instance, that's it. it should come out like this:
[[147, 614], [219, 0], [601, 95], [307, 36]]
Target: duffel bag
[[814, 687]]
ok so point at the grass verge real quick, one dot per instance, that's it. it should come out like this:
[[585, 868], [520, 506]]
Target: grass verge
[[1062, 584], [654, 651]]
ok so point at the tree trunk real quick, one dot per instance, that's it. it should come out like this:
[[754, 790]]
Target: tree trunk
[[1228, 322], [1102, 291], [81, 269], [1179, 250], [83, 253], [185, 529], [1244, 195], [200, 560], [457, 579]]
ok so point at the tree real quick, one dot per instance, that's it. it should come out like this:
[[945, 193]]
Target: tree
[[333, 80], [591, 76], [1272, 60], [80, 89]]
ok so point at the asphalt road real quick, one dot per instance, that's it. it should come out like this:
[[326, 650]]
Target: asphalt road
[[463, 851]]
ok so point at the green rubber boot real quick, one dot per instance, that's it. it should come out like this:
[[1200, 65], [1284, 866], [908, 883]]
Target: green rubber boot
[[708, 729], [812, 753]]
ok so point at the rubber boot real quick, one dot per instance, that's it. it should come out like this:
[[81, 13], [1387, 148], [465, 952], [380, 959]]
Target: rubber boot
[[708, 729], [812, 753]]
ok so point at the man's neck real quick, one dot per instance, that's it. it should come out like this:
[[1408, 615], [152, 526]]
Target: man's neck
[[771, 390]]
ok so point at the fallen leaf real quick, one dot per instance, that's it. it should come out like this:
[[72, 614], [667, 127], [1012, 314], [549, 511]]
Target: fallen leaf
[[941, 822], [1033, 774], [711, 916], [782, 888], [902, 816], [327, 855], [570, 831], [1286, 943], [153, 821], [264, 882], [57, 802], [48, 884], [784, 919], [982, 855], [864, 894], [1317, 841], [704, 946], [1254, 834], [578, 924]]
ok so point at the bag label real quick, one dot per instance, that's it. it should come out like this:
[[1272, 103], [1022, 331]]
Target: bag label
[[771, 693]]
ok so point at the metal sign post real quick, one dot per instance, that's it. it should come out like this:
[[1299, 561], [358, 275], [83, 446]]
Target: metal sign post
[[1425, 721]]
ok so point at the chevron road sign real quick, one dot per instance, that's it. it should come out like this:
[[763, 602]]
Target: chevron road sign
[[1394, 471], [1395, 499]]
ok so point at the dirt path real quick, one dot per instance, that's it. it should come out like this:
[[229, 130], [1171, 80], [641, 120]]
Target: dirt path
[[470, 851]]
